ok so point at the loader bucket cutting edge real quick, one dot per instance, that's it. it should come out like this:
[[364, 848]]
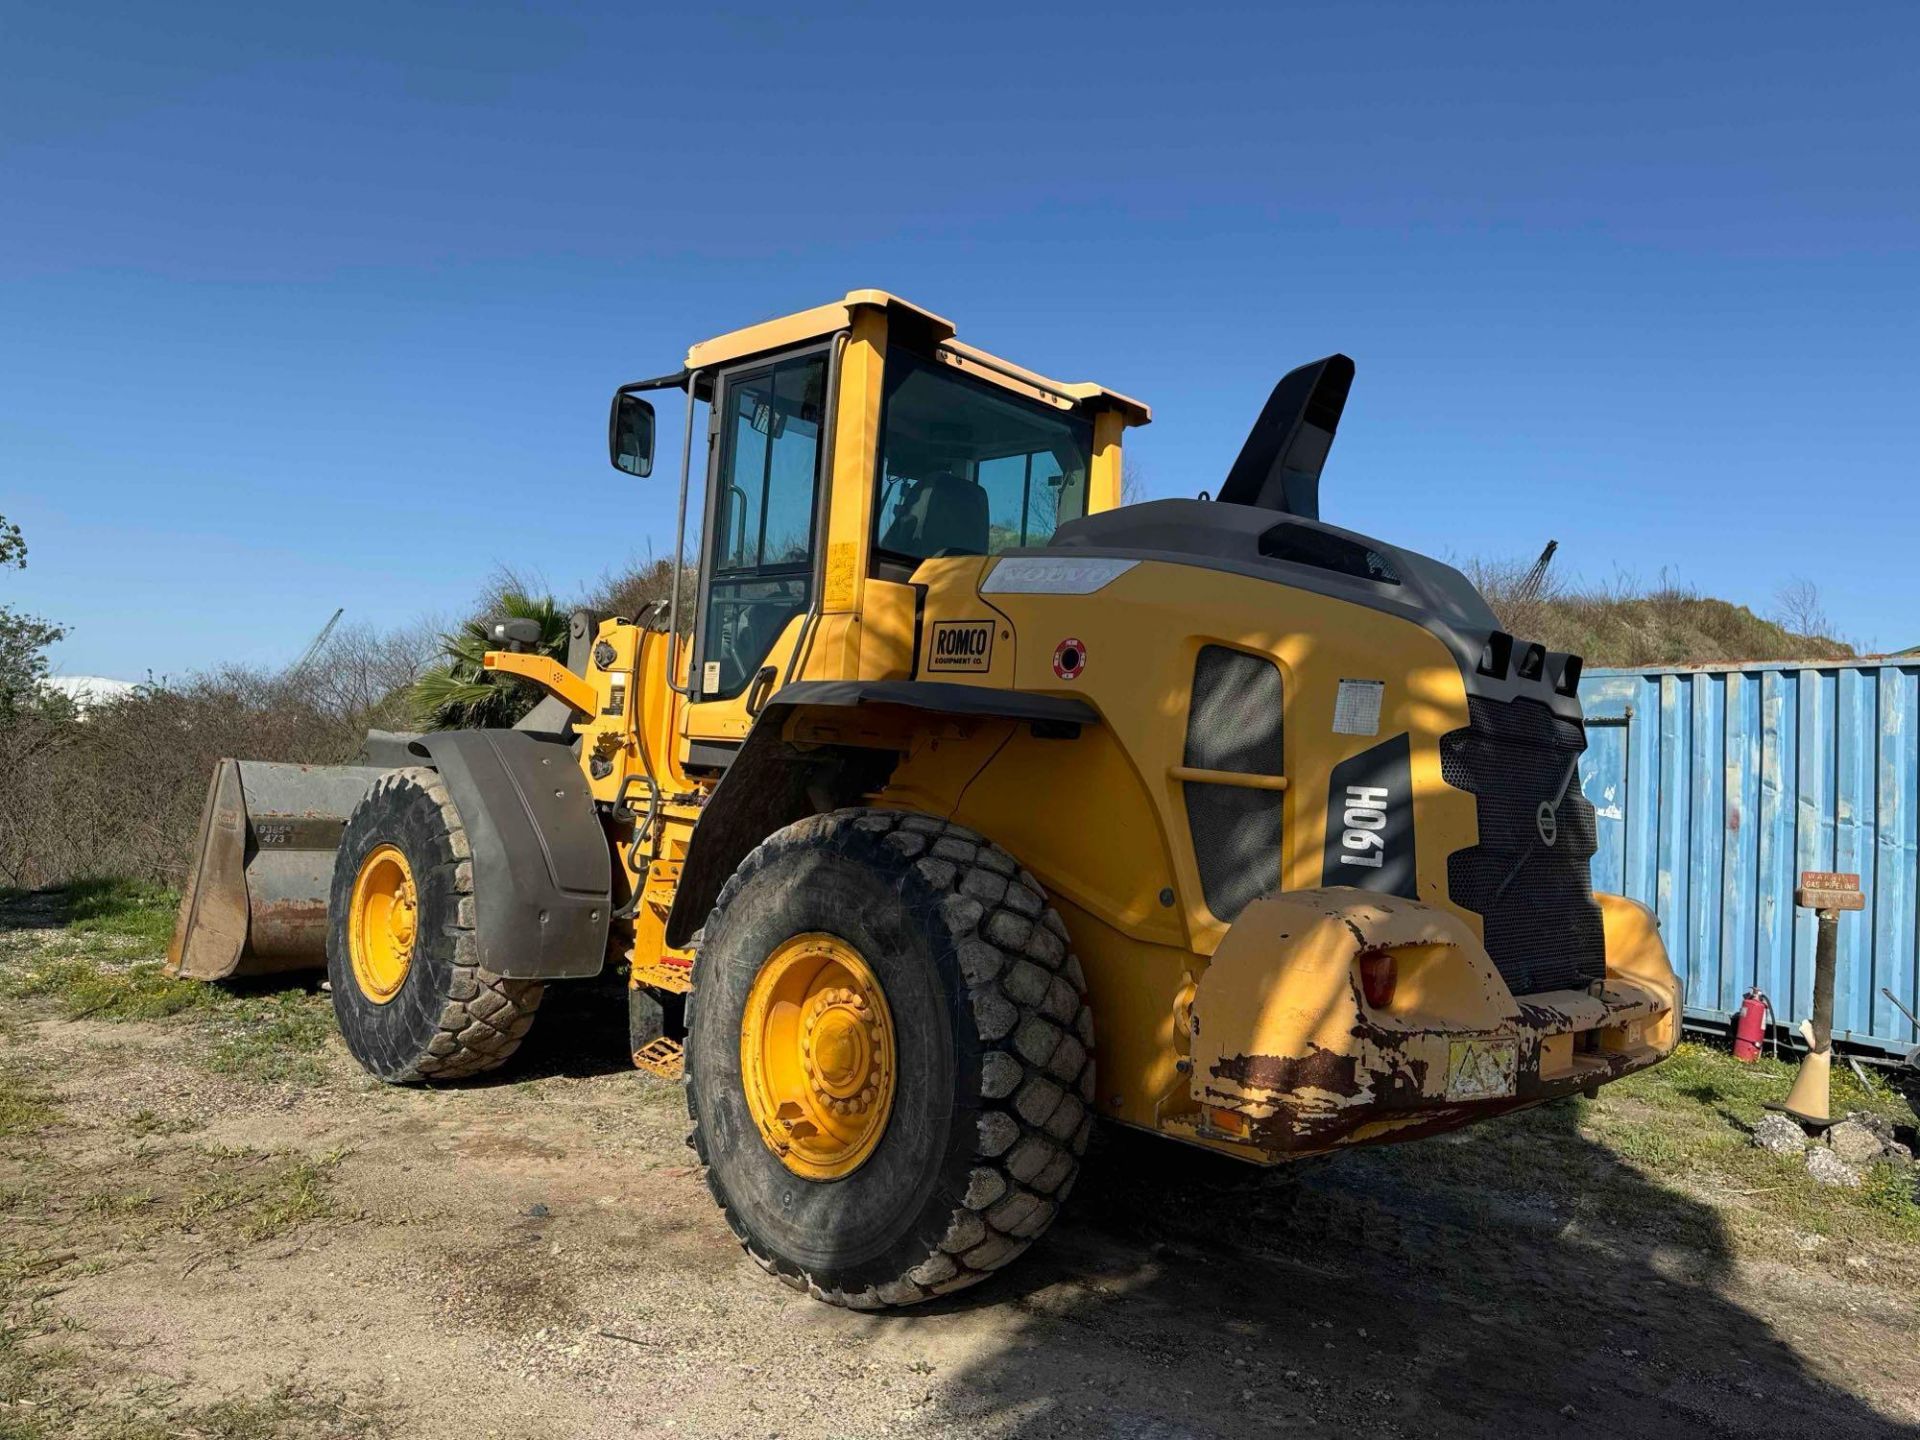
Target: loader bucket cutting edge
[[255, 901]]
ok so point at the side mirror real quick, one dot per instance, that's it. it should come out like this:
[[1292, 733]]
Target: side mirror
[[630, 434]]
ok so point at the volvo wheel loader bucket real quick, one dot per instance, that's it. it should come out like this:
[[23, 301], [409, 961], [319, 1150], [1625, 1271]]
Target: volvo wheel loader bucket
[[256, 899]]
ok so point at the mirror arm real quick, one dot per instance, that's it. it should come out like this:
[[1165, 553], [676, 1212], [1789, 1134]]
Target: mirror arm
[[678, 380], [689, 379]]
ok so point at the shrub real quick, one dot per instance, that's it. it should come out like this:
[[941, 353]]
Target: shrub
[[115, 790]]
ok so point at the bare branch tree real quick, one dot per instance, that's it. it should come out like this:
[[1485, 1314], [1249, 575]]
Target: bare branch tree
[[1797, 607]]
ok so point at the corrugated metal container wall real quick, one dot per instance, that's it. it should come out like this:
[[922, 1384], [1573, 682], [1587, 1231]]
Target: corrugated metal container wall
[[1715, 786]]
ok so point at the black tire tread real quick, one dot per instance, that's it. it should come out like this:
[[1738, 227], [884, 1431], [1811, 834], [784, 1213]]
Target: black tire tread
[[484, 1016], [1028, 999]]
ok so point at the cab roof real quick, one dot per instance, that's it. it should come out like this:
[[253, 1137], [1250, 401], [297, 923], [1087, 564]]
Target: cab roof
[[824, 320]]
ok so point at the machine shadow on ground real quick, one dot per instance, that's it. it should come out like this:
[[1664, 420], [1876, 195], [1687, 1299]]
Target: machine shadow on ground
[[1389, 1292], [1371, 1303], [581, 1032]]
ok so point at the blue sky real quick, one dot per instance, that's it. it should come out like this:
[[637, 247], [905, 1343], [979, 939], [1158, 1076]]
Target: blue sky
[[314, 306]]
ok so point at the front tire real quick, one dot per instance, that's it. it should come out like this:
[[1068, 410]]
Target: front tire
[[411, 997], [985, 1060]]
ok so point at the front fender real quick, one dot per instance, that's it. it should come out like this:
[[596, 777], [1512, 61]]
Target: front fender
[[542, 866]]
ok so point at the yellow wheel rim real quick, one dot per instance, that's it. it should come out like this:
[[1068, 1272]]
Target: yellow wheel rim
[[817, 1056], [381, 924]]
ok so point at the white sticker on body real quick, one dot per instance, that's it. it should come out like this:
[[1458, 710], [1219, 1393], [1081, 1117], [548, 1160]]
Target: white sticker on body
[[1043, 575], [1356, 709]]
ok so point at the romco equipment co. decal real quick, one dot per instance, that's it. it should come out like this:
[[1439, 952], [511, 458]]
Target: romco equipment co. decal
[[965, 645]]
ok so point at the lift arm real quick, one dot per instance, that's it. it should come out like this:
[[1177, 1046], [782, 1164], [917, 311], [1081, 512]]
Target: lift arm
[[550, 675]]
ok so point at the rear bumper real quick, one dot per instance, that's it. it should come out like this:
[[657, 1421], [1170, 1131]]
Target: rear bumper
[[1569, 1042], [1294, 1061]]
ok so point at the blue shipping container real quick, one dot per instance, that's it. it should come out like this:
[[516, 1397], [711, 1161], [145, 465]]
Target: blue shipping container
[[1716, 785]]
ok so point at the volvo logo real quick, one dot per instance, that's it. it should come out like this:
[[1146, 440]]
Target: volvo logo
[[1548, 822]]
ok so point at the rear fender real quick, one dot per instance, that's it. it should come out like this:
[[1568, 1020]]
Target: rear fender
[[772, 783], [542, 865]]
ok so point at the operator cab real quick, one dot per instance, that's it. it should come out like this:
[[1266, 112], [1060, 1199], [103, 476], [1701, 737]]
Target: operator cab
[[848, 446]]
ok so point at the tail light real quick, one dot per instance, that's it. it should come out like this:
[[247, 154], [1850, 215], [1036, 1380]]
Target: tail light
[[1379, 976]]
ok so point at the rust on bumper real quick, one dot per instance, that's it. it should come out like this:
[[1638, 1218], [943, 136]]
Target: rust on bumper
[[1289, 1059]]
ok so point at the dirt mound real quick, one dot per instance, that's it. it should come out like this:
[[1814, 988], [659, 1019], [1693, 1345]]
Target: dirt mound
[[1665, 624]]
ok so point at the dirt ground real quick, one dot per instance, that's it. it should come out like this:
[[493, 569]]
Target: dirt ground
[[191, 1248]]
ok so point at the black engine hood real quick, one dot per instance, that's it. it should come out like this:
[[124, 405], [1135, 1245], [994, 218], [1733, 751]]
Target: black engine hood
[[1314, 556]]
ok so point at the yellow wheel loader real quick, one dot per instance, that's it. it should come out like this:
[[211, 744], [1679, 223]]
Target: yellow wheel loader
[[969, 806]]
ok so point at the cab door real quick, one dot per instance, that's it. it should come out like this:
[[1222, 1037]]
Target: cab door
[[761, 540]]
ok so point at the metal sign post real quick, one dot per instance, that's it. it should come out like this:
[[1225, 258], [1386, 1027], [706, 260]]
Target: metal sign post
[[1826, 893]]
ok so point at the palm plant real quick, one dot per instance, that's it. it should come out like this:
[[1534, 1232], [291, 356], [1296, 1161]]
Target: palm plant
[[461, 694]]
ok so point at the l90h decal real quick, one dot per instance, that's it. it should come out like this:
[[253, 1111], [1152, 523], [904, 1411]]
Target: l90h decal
[[1370, 821]]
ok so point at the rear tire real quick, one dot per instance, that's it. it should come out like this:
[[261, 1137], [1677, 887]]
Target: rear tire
[[994, 1075], [448, 1018]]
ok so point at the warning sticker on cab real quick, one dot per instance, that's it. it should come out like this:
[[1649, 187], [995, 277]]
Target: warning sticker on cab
[[1481, 1069], [961, 645]]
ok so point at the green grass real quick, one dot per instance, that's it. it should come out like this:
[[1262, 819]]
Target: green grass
[[126, 908], [85, 1221], [1689, 1121], [272, 1038], [1891, 1188], [1667, 1154], [100, 961], [291, 1412], [266, 1036], [256, 1196], [48, 1391], [144, 1123], [118, 980], [1703, 1075], [269, 1037], [115, 1204], [105, 988], [25, 1105], [31, 1404]]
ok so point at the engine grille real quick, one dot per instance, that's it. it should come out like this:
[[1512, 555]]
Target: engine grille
[[1542, 924], [1234, 723]]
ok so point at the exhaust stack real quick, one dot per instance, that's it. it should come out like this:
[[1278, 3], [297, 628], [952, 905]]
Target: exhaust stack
[[1279, 466]]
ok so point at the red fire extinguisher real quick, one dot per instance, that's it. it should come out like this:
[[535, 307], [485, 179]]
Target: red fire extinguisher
[[1750, 1026]]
